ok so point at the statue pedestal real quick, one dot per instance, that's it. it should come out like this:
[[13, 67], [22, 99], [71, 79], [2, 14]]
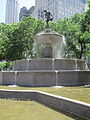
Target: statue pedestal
[[48, 51]]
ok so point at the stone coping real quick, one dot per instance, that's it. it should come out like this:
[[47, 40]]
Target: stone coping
[[48, 94], [70, 106], [46, 71], [51, 59]]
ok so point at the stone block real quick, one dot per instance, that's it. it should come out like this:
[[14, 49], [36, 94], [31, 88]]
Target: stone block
[[20, 65], [84, 77], [8, 78], [0, 78], [88, 77], [38, 78], [67, 78], [81, 64], [44, 78], [40, 64], [24, 79], [64, 64]]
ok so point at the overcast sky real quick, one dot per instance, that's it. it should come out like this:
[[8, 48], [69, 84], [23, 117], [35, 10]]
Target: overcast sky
[[26, 3]]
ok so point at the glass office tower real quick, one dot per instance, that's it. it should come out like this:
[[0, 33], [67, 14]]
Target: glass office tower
[[59, 8], [12, 11]]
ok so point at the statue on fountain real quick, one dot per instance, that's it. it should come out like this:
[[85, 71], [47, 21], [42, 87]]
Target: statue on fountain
[[48, 38], [48, 17]]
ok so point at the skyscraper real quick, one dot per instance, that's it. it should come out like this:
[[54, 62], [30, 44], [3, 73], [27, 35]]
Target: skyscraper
[[24, 12], [12, 11], [59, 8]]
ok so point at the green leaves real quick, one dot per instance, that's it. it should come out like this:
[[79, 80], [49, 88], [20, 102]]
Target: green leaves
[[77, 33], [5, 66], [16, 40]]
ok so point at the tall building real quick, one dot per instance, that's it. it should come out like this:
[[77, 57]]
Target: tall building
[[25, 13], [59, 8], [12, 11]]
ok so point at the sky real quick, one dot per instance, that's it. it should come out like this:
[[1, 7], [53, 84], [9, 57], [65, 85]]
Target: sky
[[26, 3]]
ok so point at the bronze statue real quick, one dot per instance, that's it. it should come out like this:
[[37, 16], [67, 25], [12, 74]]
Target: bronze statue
[[48, 17]]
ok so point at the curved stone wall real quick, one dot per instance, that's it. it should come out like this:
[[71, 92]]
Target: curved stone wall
[[45, 78], [48, 64]]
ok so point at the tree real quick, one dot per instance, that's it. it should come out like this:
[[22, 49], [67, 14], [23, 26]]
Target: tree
[[5, 33], [17, 38], [84, 39], [77, 40]]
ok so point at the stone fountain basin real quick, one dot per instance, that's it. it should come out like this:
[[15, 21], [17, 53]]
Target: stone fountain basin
[[40, 78], [48, 64], [48, 38]]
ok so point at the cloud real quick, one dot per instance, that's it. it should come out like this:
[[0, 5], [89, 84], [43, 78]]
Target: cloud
[[26, 3]]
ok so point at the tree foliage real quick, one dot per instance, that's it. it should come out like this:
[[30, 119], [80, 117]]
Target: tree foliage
[[16, 40], [77, 33]]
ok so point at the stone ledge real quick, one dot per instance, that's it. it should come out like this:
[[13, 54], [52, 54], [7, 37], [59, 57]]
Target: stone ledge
[[80, 109]]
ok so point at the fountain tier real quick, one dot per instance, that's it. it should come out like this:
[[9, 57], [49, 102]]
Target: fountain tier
[[48, 64], [48, 38], [45, 78]]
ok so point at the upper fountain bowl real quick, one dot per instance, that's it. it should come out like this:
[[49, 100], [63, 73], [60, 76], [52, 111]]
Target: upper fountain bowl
[[48, 37]]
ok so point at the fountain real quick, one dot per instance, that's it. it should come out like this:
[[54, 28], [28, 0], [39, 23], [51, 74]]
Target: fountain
[[48, 38], [47, 70]]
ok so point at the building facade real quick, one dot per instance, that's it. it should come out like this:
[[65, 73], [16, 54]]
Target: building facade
[[59, 8], [12, 11], [25, 13]]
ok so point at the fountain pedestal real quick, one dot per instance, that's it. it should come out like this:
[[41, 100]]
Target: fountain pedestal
[[48, 51]]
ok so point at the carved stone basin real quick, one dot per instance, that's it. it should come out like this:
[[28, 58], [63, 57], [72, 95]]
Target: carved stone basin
[[48, 37]]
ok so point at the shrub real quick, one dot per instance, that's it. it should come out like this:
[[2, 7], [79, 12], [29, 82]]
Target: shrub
[[5, 66]]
